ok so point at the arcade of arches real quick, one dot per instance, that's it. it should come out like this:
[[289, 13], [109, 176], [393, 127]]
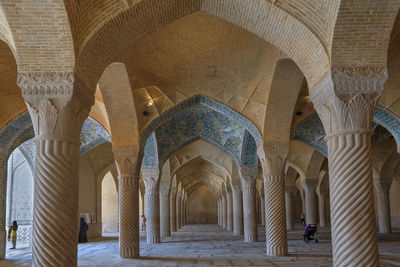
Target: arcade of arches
[[221, 121]]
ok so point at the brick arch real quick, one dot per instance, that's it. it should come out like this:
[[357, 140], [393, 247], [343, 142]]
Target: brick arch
[[372, 21], [204, 159], [286, 84], [197, 118], [51, 52], [262, 18]]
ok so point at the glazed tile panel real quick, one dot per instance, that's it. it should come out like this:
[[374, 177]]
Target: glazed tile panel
[[311, 132]]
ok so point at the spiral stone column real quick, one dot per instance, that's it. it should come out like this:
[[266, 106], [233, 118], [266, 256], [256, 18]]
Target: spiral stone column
[[126, 159], [182, 209], [262, 208], [237, 208], [164, 209], [151, 181], [273, 158], [322, 207], [219, 210], [248, 181], [173, 210], [345, 101], [290, 192], [178, 210], [310, 195], [382, 187], [224, 209], [229, 210], [57, 113]]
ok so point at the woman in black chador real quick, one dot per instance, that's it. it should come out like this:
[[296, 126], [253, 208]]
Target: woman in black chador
[[82, 231]]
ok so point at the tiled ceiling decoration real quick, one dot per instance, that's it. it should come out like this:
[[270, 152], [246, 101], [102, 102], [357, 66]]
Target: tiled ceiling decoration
[[203, 118], [311, 132]]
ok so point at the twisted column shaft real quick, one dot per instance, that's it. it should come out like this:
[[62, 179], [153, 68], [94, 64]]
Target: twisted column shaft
[[322, 208], [237, 209], [129, 217], [126, 160], [310, 195], [164, 210], [345, 99], [289, 194], [229, 211], [352, 210], [262, 209], [173, 212], [382, 187], [249, 209], [152, 210], [178, 212], [275, 214], [224, 211], [55, 204], [57, 119]]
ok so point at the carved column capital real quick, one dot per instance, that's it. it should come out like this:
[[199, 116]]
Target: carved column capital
[[273, 158], [151, 178], [345, 99], [248, 173], [310, 186], [290, 190], [126, 159]]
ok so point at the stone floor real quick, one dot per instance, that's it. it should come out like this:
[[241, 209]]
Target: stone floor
[[210, 245]]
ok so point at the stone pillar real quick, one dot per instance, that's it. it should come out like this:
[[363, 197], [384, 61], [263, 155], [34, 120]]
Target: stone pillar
[[382, 187], [237, 208], [273, 158], [126, 159], [57, 113], [164, 209], [229, 210], [178, 210], [224, 209], [248, 181], [182, 209], [173, 210], [142, 193], [345, 101], [151, 181], [219, 210], [322, 207], [310, 195], [262, 208], [290, 192]]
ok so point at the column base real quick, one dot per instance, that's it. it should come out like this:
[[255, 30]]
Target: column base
[[276, 251], [129, 252], [152, 240], [250, 239]]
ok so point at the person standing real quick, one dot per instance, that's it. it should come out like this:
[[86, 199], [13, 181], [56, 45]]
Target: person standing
[[12, 234], [83, 227], [143, 223], [302, 218]]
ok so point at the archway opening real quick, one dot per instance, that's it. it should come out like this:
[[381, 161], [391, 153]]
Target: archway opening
[[202, 207], [109, 205], [19, 200]]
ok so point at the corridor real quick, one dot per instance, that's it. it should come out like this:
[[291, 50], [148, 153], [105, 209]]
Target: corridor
[[211, 245]]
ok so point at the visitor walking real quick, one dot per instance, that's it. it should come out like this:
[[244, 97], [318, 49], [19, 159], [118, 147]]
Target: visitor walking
[[12, 234], [82, 231]]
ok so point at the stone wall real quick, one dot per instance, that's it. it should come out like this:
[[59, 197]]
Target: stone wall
[[202, 207]]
